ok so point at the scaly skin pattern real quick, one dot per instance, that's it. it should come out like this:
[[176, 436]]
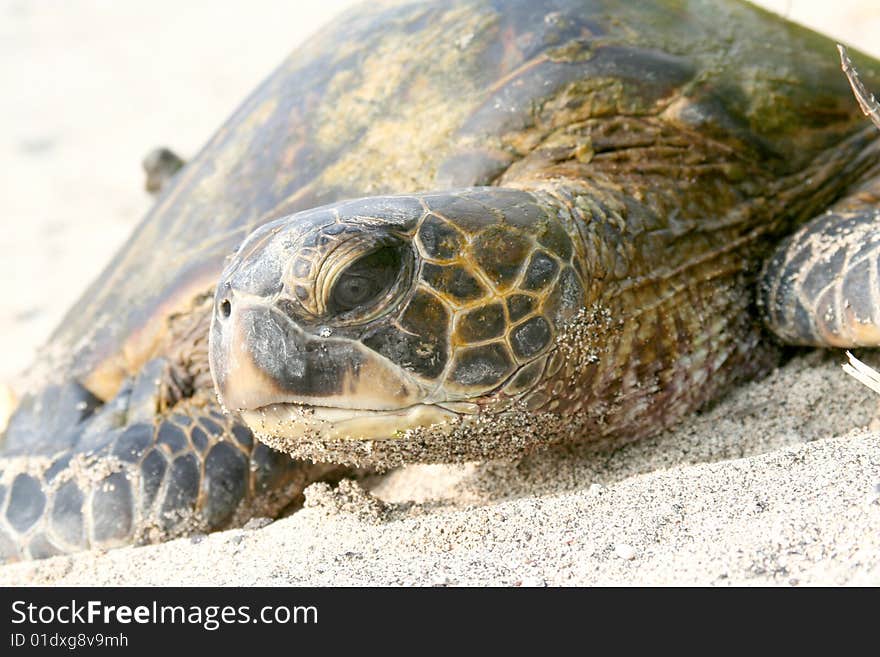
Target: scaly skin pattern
[[158, 460], [672, 144], [193, 471], [574, 310], [822, 285]]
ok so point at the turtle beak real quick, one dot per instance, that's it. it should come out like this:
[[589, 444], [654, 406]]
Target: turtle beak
[[260, 357]]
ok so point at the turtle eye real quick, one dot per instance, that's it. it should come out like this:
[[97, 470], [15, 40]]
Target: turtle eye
[[353, 290], [366, 280]]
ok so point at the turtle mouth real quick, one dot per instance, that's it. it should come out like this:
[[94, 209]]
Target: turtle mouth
[[306, 422]]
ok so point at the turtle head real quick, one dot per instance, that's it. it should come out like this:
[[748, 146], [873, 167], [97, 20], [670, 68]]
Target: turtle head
[[367, 318]]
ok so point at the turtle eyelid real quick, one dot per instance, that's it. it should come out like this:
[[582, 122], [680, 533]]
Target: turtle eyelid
[[382, 270]]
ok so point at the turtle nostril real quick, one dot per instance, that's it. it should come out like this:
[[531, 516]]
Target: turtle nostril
[[225, 309]]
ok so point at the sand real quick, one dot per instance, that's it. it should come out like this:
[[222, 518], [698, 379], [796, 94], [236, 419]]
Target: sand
[[776, 484]]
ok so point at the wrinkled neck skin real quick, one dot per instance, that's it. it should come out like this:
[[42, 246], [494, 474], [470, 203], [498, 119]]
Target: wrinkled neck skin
[[598, 296]]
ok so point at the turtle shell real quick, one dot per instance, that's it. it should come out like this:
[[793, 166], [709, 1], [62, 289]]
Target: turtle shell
[[430, 95]]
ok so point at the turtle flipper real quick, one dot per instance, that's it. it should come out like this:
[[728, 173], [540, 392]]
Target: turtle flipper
[[124, 474], [822, 285], [161, 165]]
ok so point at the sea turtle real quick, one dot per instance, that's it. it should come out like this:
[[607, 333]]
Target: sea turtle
[[561, 213]]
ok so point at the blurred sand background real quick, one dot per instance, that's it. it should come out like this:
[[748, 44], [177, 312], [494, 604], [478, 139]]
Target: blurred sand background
[[88, 87]]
